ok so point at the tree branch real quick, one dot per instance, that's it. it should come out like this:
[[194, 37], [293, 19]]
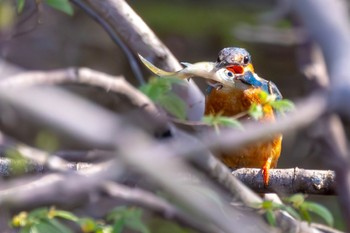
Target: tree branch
[[141, 39], [335, 45], [132, 98], [287, 181], [57, 188]]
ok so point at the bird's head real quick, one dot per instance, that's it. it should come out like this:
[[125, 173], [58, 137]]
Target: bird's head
[[237, 60]]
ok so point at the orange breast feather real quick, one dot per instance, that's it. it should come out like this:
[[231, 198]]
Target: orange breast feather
[[230, 102]]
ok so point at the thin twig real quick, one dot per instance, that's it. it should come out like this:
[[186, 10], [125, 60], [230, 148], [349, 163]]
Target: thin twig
[[57, 188]]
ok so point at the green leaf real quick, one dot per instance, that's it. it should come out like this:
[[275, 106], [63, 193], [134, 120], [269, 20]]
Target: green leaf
[[159, 90], [305, 215], [256, 111], [137, 225], [292, 212], [266, 204], [263, 96], [320, 210], [47, 141], [117, 213], [20, 5], [61, 5], [118, 226], [174, 105], [157, 87], [105, 229], [218, 120], [18, 163], [270, 216], [229, 122], [7, 15], [282, 105], [296, 200], [40, 213], [87, 224], [58, 226], [65, 215], [26, 229], [49, 225], [33, 229]]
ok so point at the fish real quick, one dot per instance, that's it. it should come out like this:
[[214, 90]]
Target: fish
[[206, 70]]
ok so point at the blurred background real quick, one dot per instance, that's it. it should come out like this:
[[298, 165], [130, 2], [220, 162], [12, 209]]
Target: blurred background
[[194, 31]]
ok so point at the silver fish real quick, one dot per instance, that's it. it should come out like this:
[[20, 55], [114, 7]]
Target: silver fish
[[206, 70]]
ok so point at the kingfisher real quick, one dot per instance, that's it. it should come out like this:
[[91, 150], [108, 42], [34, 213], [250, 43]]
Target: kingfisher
[[231, 101], [233, 88]]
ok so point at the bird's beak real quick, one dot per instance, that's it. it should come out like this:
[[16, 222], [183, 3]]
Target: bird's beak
[[236, 69]]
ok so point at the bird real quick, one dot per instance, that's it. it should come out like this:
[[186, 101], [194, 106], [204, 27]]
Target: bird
[[233, 88], [231, 101]]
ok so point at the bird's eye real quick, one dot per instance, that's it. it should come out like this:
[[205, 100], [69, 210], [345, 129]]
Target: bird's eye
[[229, 73], [246, 60]]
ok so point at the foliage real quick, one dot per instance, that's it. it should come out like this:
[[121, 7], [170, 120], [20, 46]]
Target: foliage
[[20, 5], [124, 217], [47, 141], [305, 208], [159, 91], [18, 162], [61, 5], [160, 225], [217, 120], [297, 207], [7, 15], [256, 111], [43, 220]]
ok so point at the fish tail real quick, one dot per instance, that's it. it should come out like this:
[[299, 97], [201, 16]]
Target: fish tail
[[155, 69]]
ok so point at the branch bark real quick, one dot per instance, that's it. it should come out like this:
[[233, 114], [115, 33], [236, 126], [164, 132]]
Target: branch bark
[[287, 181], [141, 39], [335, 45]]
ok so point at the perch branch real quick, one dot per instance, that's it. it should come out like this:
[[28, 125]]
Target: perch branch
[[216, 169], [153, 159], [285, 181]]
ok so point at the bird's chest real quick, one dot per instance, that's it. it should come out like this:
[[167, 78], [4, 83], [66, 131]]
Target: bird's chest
[[230, 102]]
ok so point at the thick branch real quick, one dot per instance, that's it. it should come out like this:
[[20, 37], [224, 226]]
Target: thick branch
[[134, 31], [141, 39], [335, 45], [116, 84], [285, 181], [132, 98]]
